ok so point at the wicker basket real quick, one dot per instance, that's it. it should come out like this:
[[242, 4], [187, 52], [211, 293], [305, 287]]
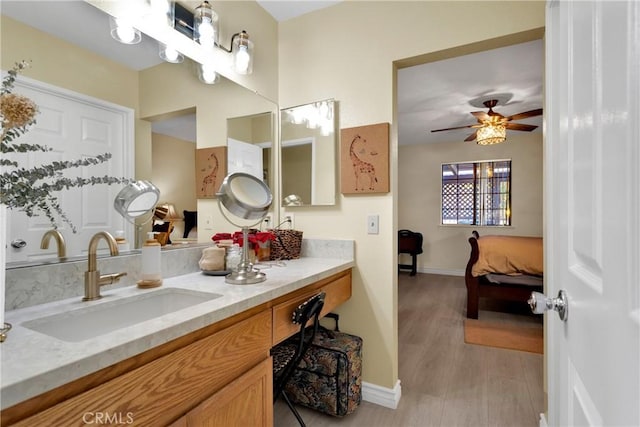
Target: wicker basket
[[286, 245]]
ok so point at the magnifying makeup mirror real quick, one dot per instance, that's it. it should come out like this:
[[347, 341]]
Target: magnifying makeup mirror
[[136, 199], [248, 198]]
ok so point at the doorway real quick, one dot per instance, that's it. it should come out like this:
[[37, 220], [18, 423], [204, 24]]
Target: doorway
[[421, 154]]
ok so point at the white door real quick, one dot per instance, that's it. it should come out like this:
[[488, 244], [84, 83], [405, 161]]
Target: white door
[[592, 211], [74, 127], [244, 157]]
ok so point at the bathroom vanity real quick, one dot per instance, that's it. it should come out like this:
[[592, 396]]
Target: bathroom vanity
[[205, 364]]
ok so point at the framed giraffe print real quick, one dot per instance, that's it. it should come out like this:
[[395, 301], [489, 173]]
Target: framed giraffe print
[[211, 168], [364, 159]]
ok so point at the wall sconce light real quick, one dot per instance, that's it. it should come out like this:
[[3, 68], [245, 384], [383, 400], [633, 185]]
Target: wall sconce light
[[123, 31], [170, 54]]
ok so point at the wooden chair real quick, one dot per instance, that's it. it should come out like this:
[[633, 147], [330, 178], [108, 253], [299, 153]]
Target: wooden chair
[[288, 354], [410, 242]]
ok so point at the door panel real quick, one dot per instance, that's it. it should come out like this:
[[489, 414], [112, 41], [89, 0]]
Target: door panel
[[74, 127], [592, 196]]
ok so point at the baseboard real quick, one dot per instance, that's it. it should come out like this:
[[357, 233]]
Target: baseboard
[[442, 271], [387, 397]]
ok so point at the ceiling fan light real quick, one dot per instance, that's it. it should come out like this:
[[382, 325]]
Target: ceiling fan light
[[491, 134]]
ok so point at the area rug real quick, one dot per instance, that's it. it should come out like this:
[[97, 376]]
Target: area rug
[[514, 337]]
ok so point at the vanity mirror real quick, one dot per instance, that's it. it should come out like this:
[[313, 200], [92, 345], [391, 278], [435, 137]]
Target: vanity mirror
[[169, 87], [308, 154]]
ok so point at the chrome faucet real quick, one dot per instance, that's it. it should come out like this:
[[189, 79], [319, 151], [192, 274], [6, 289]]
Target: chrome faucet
[[92, 278], [62, 247]]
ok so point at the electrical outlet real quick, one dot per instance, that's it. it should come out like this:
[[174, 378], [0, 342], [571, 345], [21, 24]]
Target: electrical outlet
[[289, 220], [208, 222], [267, 222], [373, 224]]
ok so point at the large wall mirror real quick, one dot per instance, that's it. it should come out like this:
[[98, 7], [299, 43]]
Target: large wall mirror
[[308, 154], [162, 96]]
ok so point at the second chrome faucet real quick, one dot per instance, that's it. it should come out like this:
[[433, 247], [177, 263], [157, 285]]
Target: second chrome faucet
[[92, 278]]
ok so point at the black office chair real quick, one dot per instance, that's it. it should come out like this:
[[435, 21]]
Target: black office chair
[[410, 242], [288, 354]]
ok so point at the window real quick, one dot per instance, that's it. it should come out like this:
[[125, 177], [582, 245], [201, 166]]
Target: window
[[477, 193]]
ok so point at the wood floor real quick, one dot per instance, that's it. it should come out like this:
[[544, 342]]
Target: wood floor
[[446, 382]]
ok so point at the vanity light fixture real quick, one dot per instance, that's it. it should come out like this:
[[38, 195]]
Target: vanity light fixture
[[123, 31], [243, 56], [170, 54], [205, 32], [205, 26], [318, 115]]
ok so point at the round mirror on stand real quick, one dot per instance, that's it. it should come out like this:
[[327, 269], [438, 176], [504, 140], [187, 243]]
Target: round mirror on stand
[[135, 200], [248, 198]]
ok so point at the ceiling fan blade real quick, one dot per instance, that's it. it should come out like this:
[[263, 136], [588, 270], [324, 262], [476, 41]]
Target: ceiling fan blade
[[481, 116], [459, 127], [471, 137], [520, 126], [526, 114]]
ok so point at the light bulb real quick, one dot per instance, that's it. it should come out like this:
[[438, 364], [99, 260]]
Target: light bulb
[[171, 54], [242, 59], [126, 34], [123, 31], [207, 33], [208, 74]]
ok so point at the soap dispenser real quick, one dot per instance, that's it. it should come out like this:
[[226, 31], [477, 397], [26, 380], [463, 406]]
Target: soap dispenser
[[151, 276]]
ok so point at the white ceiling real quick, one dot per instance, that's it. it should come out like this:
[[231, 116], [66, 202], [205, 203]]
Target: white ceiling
[[287, 9], [430, 96], [440, 94]]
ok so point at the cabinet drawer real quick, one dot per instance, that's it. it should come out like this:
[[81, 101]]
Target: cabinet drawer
[[161, 391], [337, 291]]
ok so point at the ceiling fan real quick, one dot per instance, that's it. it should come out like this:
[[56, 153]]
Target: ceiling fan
[[491, 126]]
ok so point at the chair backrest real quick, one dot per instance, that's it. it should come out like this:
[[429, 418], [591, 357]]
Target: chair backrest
[[308, 311], [409, 242]]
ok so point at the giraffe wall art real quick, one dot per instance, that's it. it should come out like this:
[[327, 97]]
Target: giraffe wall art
[[211, 168], [364, 159]]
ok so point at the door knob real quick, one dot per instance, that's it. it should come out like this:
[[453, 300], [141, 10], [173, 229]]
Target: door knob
[[540, 303], [18, 243]]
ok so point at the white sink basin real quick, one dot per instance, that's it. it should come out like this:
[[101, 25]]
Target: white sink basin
[[89, 322]]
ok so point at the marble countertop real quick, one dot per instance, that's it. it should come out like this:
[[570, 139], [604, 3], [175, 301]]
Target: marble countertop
[[33, 363]]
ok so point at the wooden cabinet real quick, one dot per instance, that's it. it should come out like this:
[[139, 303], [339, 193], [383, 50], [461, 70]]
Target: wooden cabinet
[[248, 401], [220, 375], [163, 390]]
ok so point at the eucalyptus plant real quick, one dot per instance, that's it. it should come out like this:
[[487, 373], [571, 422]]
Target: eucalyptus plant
[[32, 190]]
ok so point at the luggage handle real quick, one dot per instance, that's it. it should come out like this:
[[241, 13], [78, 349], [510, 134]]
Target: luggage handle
[[336, 317]]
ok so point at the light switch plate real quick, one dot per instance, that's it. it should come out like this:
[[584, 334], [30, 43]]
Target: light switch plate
[[372, 224]]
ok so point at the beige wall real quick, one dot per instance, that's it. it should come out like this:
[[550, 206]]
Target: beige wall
[[446, 248], [62, 64], [347, 52]]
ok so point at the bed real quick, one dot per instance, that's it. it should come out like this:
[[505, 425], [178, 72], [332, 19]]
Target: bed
[[503, 267]]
